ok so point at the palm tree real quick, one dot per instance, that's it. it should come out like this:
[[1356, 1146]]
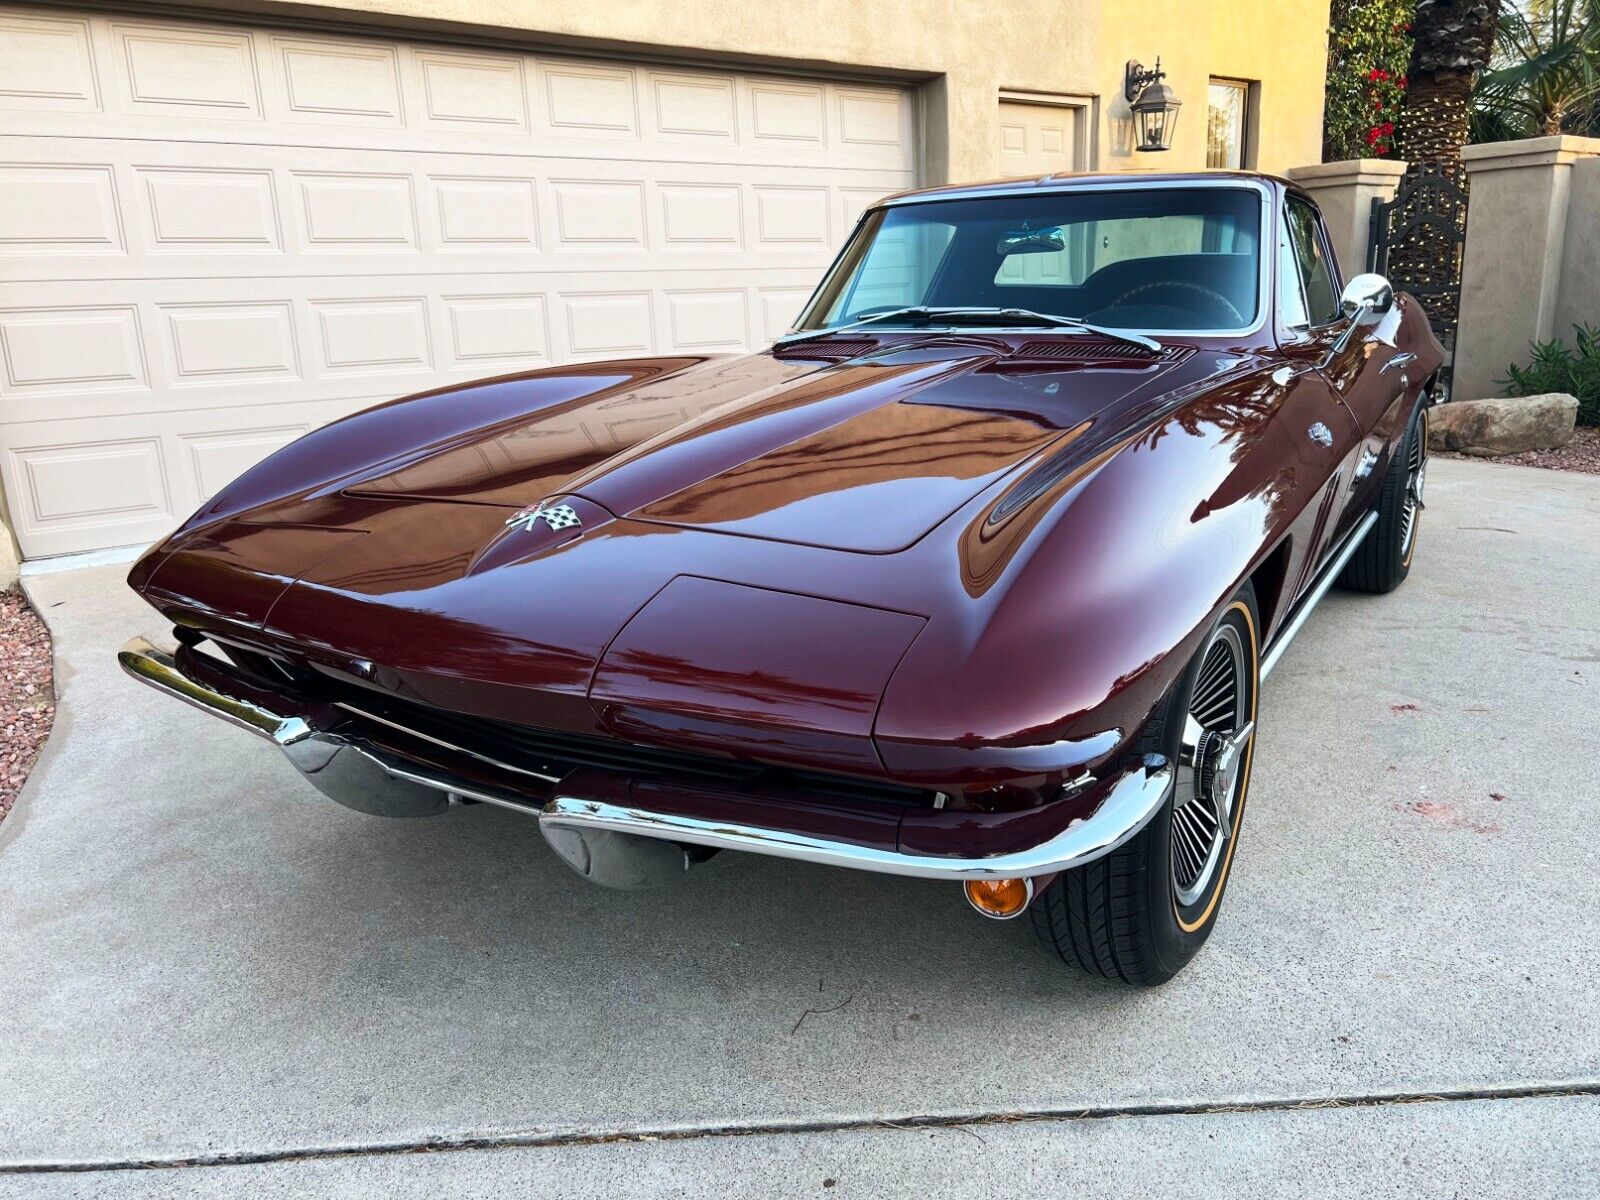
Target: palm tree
[[1452, 41], [1547, 73]]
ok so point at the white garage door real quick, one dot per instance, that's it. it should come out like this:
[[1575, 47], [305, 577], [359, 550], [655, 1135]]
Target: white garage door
[[213, 238]]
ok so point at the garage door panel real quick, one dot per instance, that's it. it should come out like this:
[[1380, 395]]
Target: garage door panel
[[694, 108], [187, 69], [354, 212], [292, 211], [589, 101], [458, 92], [481, 213], [46, 63], [47, 210], [216, 238], [72, 487], [339, 82], [230, 342], [199, 210], [72, 348], [498, 331]]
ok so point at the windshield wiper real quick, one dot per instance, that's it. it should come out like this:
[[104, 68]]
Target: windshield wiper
[[915, 311], [927, 313], [1121, 335]]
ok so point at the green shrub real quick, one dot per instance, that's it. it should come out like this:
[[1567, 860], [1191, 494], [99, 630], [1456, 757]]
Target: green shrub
[[1556, 367]]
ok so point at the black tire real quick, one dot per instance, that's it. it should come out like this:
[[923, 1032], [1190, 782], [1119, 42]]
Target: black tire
[[1121, 916], [1383, 560]]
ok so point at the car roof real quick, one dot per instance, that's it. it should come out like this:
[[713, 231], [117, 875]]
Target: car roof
[[1075, 180]]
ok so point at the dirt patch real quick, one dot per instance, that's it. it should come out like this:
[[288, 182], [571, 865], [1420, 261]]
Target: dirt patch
[[1582, 453], [27, 695]]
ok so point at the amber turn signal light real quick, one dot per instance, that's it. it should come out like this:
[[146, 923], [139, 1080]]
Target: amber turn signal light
[[1001, 899]]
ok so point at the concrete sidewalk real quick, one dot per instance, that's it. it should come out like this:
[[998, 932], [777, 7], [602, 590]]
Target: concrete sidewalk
[[202, 958]]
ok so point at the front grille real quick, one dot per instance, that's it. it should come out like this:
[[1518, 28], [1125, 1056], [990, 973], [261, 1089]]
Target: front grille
[[546, 751], [554, 753]]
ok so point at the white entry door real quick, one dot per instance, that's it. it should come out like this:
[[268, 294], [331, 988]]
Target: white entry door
[[214, 238], [1040, 139]]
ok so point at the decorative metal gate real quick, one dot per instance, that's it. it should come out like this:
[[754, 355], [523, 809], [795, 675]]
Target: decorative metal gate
[[1417, 240]]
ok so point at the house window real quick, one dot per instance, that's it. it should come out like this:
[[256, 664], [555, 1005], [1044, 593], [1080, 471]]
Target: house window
[[1227, 124]]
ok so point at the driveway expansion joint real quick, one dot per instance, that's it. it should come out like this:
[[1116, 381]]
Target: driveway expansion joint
[[913, 1121]]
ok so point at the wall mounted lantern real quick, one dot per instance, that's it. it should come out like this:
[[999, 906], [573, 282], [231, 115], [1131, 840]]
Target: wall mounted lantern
[[1155, 105]]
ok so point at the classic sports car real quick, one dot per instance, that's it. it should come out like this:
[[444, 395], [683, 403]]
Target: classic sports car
[[973, 576]]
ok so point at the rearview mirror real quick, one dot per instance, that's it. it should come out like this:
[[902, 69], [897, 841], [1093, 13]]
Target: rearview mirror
[[1367, 299], [1031, 241]]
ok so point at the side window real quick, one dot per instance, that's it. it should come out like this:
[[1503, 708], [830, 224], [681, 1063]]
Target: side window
[[1316, 272], [1291, 296]]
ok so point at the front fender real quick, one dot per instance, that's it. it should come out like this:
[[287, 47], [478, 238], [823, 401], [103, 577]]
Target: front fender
[[1088, 596]]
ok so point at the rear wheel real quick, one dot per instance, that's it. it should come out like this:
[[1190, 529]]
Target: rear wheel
[[1143, 911], [1383, 560]]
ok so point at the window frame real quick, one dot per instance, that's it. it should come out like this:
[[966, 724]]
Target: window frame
[[1247, 143], [1335, 275]]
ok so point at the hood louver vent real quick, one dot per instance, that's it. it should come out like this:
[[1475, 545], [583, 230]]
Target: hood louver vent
[[1073, 350], [834, 350]]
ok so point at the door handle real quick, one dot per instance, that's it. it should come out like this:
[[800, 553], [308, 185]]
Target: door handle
[[1398, 362], [1320, 434]]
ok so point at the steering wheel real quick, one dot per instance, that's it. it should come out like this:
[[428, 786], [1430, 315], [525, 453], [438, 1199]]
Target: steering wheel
[[1181, 285]]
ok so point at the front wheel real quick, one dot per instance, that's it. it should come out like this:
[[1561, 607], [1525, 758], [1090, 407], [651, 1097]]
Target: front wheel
[[1383, 560], [1144, 910]]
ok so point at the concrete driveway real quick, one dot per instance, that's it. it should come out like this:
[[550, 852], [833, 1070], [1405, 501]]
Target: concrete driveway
[[204, 962]]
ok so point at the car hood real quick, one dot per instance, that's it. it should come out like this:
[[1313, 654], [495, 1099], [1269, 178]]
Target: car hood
[[863, 455], [752, 557]]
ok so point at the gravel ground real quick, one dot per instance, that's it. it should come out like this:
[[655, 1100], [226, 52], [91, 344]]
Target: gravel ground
[[27, 697], [1582, 453]]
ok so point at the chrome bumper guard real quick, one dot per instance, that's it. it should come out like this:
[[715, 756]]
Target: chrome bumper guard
[[582, 828]]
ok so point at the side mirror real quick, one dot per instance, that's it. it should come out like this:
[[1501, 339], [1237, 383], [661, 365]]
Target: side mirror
[[1367, 299]]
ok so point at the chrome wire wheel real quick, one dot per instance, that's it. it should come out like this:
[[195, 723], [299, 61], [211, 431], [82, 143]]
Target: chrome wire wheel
[[1416, 479], [1216, 734]]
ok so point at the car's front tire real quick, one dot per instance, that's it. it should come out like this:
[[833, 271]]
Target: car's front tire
[[1383, 560], [1144, 910]]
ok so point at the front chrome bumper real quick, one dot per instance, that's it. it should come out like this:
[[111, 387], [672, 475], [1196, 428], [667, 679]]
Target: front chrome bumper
[[586, 810]]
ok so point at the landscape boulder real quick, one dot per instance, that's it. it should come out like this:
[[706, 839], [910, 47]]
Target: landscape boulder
[[1506, 426]]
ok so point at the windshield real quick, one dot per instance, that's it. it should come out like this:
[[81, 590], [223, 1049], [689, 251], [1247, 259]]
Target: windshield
[[1162, 259]]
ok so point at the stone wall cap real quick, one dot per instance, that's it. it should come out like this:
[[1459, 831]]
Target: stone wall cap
[[1529, 152], [1348, 170]]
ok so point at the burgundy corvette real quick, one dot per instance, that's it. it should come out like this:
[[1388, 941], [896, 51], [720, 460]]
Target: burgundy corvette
[[973, 576]]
